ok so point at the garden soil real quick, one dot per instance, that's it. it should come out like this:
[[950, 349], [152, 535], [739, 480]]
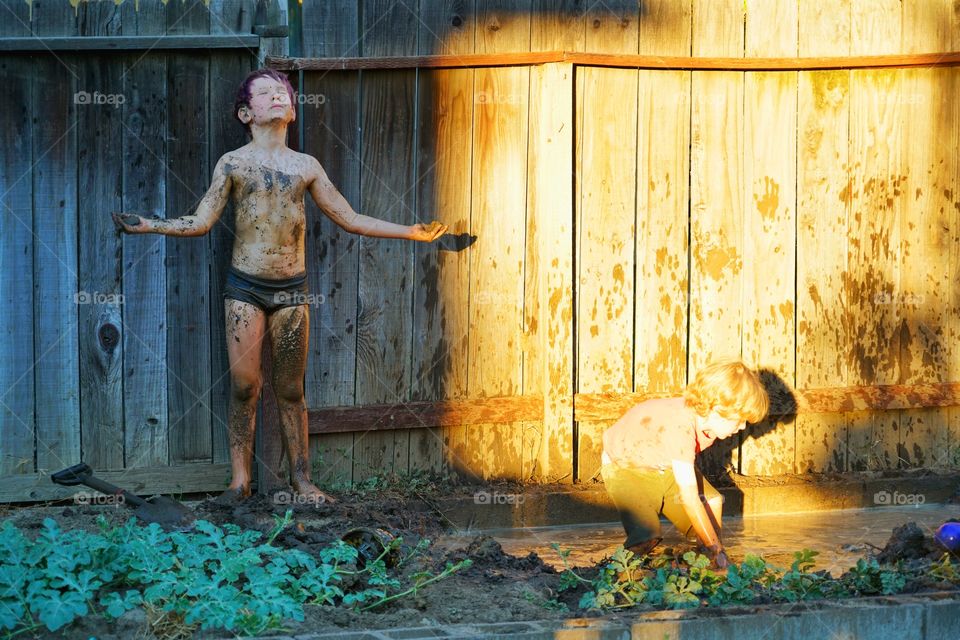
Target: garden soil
[[498, 587]]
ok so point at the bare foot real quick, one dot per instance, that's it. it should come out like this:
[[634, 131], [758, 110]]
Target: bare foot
[[311, 491], [233, 495]]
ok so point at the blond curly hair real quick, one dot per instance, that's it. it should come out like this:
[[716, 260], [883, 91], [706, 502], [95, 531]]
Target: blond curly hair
[[730, 388]]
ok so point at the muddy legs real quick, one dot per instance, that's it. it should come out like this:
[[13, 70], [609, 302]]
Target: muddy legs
[[289, 330], [245, 326]]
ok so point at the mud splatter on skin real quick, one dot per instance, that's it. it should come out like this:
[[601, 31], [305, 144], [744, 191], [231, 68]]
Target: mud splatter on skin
[[289, 331], [270, 215]]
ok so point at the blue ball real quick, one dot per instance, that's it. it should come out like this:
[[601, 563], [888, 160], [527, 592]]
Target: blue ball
[[948, 535]]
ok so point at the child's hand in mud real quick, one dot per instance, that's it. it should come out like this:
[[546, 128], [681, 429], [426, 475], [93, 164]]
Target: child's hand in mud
[[129, 223], [720, 561], [427, 232]]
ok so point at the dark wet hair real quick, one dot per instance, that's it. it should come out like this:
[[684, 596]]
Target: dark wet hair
[[243, 93]]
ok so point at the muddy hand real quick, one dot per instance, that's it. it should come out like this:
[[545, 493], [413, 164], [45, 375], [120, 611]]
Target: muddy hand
[[428, 232], [128, 222], [721, 561]]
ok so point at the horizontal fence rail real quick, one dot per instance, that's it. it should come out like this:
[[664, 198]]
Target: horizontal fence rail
[[676, 63], [610, 406], [127, 43]]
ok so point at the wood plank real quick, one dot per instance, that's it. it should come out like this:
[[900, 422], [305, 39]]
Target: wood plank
[[17, 412], [663, 191], [439, 413], [227, 70], [442, 271], [99, 19], [557, 25], [663, 167], [606, 200], [446, 27], [56, 348], [606, 244], [929, 170], [50, 20], [100, 163], [192, 478], [953, 373], [387, 191], [663, 164], [445, 129], [769, 265], [188, 18], [879, 398], [331, 127], [144, 278], [874, 252], [610, 406], [666, 26], [718, 28], [548, 310], [128, 43], [823, 115], [716, 202], [188, 263], [499, 202], [627, 61]]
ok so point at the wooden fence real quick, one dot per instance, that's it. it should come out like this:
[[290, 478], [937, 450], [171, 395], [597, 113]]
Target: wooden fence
[[615, 227]]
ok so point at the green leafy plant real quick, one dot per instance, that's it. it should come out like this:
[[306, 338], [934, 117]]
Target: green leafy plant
[[211, 577], [625, 581]]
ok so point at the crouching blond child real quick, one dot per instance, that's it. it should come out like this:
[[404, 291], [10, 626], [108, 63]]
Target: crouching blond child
[[649, 456]]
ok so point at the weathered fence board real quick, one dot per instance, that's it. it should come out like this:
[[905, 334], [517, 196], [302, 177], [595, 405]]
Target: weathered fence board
[[331, 127], [716, 199], [16, 258], [769, 201], [188, 264], [55, 355], [823, 113], [874, 249], [387, 191], [926, 227], [146, 427], [663, 189], [100, 160], [499, 192], [442, 275]]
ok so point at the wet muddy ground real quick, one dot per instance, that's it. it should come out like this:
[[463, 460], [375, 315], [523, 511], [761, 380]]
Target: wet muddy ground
[[840, 536]]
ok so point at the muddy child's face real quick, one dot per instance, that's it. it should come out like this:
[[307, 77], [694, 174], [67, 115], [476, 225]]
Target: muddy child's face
[[269, 103], [716, 426]]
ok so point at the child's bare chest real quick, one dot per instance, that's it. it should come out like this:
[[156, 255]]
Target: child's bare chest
[[261, 185]]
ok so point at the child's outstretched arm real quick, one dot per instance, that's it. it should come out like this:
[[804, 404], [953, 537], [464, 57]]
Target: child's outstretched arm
[[336, 207], [207, 213], [686, 479]]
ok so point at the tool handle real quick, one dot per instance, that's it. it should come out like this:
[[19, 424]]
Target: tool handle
[[103, 486], [72, 476]]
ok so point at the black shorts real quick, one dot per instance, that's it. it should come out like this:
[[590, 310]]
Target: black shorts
[[269, 295]]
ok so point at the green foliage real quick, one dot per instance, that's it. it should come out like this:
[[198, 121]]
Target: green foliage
[[625, 581], [211, 577]]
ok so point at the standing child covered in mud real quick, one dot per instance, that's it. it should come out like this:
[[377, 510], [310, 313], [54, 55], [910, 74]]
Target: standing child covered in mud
[[266, 290], [649, 454]]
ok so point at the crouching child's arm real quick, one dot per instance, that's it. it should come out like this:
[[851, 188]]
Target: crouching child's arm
[[686, 479]]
